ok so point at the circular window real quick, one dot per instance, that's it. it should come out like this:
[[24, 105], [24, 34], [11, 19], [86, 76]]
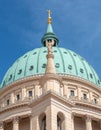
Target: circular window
[[31, 67], [34, 53], [44, 65], [57, 65]]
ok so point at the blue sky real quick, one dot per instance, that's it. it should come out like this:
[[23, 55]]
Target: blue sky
[[77, 23]]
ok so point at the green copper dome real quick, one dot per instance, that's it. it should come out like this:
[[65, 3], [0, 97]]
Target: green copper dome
[[65, 61]]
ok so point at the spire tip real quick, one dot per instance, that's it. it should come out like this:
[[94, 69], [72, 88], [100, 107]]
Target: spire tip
[[49, 16]]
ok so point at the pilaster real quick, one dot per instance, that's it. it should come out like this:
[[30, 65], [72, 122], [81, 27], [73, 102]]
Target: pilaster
[[34, 123], [65, 90], [51, 119], [12, 97], [23, 93], [79, 93]]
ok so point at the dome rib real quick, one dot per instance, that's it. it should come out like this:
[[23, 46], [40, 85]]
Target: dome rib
[[84, 68], [15, 70], [73, 61], [39, 52], [96, 80], [62, 59], [25, 71]]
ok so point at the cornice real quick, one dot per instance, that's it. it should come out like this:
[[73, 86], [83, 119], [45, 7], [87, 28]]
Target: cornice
[[48, 96]]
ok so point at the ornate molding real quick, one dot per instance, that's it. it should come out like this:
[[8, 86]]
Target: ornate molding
[[88, 118], [16, 120]]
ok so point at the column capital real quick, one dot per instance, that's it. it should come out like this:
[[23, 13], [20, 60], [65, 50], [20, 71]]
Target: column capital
[[73, 114], [88, 118], [16, 120]]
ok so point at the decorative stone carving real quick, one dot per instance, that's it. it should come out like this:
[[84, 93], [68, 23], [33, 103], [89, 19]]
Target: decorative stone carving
[[16, 120]]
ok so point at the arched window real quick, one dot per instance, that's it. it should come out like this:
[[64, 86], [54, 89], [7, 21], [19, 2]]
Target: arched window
[[60, 121], [42, 120]]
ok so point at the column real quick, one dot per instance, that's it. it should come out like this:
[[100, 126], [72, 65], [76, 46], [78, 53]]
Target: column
[[88, 123], [16, 123], [1, 126], [34, 123], [31, 122], [72, 120]]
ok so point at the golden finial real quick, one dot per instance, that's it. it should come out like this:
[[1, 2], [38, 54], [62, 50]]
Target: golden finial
[[49, 17]]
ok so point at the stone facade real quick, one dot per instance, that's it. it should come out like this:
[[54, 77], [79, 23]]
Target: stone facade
[[50, 103]]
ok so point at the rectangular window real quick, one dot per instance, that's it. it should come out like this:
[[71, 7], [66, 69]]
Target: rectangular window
[[30, 93], [8, 102], [85, 96], [72, 93], [17, 97], [95, 100]]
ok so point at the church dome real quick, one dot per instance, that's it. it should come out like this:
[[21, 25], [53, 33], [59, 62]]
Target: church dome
[[66, 62]]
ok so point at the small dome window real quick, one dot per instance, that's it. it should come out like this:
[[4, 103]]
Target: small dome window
[[70, 67], [55, 50], [25, 56], [31, 67], [34, 53], [20, 71], [74, 54], [57, 65], [10, 77], [65, 52], [91, 75], [45, 51], [81, 70], [44, 65], [98, 82]]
